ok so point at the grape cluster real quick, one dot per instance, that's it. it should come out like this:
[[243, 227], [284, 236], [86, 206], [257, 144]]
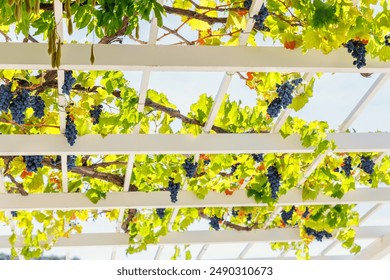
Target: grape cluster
[[258, 157], [214, 222], [68, 82], [235, 212], [306, 213], [33, 163], [19, 105], [287, 215], [70, 131], [38, 105], [173, 188], [367, 164], [14, 214], [247, 4], [5, 97], [358, 51], [260, 17], [206, 162], [285, 93], [284, 98], [249, 217], [95, 113], [71, 162], [274, 107], [274, 180], [190, 167], [387, 40], [347, 166], [160, 213], [319, 235]]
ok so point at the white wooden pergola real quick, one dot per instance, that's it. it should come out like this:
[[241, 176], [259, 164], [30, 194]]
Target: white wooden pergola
[[152, 57]]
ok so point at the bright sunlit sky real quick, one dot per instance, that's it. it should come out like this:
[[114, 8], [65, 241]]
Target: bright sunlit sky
[[335, 95]]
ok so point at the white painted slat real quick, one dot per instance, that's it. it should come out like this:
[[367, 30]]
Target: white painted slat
[[200, 237], [118, 200], [184, 58]]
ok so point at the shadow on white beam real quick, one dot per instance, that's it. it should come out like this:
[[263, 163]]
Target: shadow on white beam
[[13, 145], [183, 58], [120, 200]]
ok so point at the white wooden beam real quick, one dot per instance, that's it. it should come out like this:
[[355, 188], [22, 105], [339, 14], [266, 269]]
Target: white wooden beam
[[376, 250], [184, 58], [13, 145], [376, 86], [199, 237], [118, 200]]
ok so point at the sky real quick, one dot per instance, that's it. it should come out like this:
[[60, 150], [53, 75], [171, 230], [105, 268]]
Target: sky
[[335, 95]]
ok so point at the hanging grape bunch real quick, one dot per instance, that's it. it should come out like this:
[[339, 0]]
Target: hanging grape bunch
[[214, 223], [70, 130], [285, 97], [19, 105], [258, 157], [173, 188], [38, 105], [347, 166], [387, 40], [287, 215], [160, 213], [68, 82], [190, 167], [5, 97], [33, 163], [95, 113], [318, 235], [358, 51], [274, 180], [367, 164]]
